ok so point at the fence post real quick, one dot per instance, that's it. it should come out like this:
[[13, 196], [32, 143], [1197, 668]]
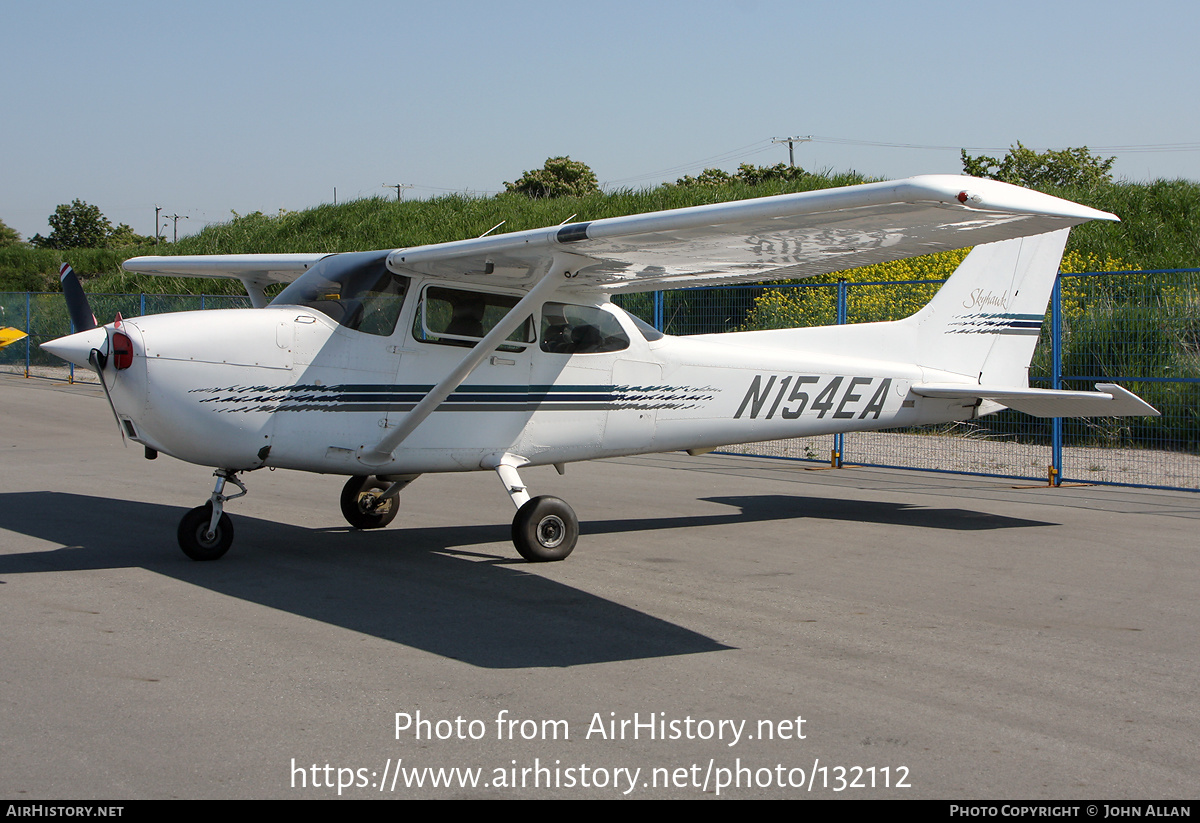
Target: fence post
[[142, 307], [658, 311], [28, 336], [836, 459], [1056, 425]]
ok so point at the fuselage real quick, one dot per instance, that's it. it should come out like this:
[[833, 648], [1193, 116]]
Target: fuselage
[[304, 386]]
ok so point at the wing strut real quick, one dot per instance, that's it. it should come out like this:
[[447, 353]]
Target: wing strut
[[256, 291], [562, 267]]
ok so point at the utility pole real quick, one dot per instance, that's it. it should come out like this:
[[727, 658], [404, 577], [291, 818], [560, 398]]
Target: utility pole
[[399, 187], [157, 209], [790, 141], [177, 218]]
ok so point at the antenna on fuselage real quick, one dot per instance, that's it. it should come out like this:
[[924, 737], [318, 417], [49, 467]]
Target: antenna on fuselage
[[492, 229]]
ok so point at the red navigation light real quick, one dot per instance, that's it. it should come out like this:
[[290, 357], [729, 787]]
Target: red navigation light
[[122, 351]]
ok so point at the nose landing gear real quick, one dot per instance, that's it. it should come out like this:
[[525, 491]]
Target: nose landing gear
[[206, 532]]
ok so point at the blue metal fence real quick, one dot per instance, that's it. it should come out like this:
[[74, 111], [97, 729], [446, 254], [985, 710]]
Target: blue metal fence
[[1138, 329], [43, 316]]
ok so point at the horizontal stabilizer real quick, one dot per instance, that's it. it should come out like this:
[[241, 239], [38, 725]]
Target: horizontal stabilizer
[[1109, 399]]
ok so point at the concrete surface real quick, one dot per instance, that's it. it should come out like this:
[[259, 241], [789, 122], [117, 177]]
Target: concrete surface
[[955, 635]]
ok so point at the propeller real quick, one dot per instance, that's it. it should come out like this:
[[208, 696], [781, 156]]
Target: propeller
[[77, 303], [84, 321]]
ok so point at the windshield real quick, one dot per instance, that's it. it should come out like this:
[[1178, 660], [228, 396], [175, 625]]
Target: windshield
[[355, 289]]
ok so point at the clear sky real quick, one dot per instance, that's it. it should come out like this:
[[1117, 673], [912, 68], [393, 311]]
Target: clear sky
[[207, 107]]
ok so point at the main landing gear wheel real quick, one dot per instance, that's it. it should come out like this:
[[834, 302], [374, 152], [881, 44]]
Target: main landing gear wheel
[[194, 537], [545, 529], [361, 505]]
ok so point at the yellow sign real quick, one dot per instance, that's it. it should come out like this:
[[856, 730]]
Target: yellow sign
[[10, 335]]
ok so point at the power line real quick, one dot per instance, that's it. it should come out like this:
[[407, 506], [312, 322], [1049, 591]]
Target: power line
[[739, 153], [176, 218], [399, 187], [1151, 147], [442, 188], [791, 151]]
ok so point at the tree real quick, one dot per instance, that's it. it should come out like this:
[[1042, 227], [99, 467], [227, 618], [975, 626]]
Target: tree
[[82, 226], [1026, 167], [560, 177], [708, 177], [753, 175], [749, 174], [8, 235], [124, 235]]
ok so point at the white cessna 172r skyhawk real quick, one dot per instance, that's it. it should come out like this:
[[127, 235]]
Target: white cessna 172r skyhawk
[[505, 351]]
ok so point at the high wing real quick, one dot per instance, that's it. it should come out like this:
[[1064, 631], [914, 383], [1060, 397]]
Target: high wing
[[256, 271], [769, 238]]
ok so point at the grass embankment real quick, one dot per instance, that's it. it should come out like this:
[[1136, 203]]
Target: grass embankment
[[1160, 228], [359, 225], [24, 268]]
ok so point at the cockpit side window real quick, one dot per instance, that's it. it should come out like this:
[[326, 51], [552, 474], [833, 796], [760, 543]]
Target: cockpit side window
[[356, 290], [457, 317], [568, 329]]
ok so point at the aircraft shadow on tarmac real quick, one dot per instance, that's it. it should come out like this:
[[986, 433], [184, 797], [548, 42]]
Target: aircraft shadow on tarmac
[[759, 507], [416, 586]]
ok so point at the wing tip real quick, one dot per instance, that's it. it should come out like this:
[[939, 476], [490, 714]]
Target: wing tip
[[995, 195]]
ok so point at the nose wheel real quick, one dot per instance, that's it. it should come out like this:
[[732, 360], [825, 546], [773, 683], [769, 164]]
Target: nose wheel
[[206, 532], [198, 540]]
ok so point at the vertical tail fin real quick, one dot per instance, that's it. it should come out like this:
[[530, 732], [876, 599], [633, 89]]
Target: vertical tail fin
[[985, 321]]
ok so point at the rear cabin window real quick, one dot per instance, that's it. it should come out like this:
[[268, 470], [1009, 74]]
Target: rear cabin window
[[568, 329], [455, 317], [649, 332]]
